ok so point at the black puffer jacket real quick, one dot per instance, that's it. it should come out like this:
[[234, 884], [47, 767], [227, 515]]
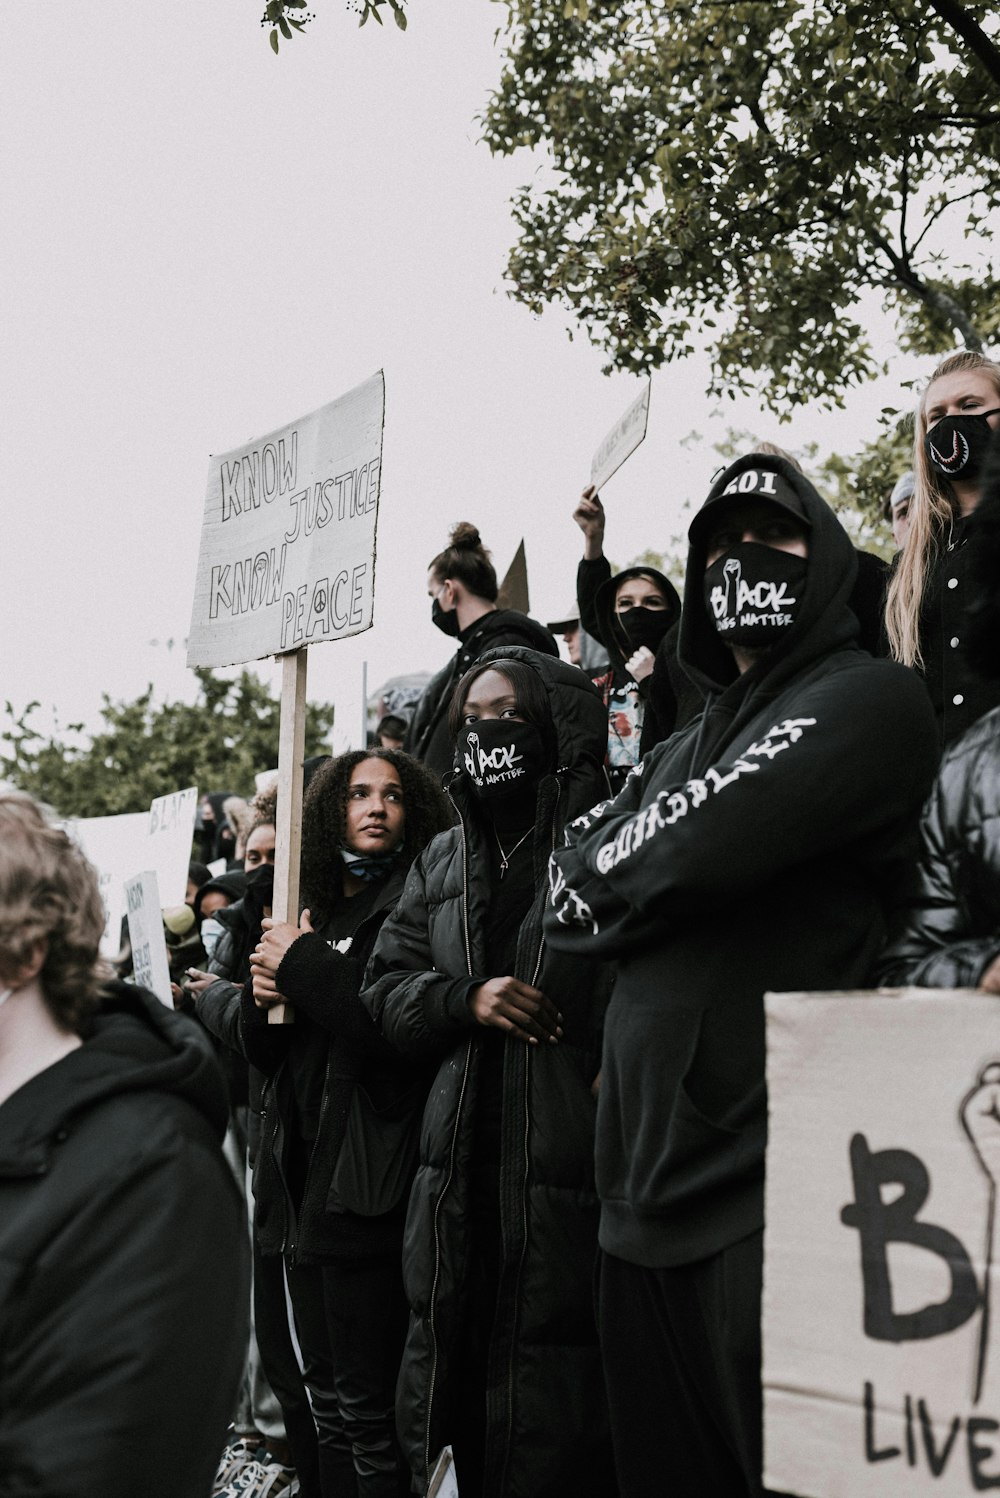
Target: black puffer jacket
[[124, 1265], [761, 848], [427, 737], [952, 929], [323, 984], [546, 1421]]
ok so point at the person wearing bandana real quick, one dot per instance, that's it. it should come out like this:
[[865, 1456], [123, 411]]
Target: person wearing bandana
[[331, 1082], [760, 848], [930, 592], [501, 1359], [634, 615]]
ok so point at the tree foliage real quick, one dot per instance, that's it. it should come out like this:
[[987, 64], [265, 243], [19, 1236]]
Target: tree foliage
[[745, 173], [143, 750]]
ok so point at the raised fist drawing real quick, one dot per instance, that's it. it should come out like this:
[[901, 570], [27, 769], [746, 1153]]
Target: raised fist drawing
[[980, 1114]]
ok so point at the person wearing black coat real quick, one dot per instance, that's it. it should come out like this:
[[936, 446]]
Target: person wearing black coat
[[501, 1359], [950, 937], [462, 584], [124, 1264], [340, 1110], [634, 614], [764, 847]]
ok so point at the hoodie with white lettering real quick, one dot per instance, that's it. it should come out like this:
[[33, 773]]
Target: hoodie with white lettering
[[761, 848]]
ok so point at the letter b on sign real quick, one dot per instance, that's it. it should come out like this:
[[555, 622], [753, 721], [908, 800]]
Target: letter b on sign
[[880, 1223]]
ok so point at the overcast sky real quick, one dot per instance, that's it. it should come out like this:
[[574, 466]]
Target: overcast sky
[[203, 241]]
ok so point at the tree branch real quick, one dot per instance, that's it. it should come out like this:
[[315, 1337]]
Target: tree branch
[[971, 33], [932, 296]]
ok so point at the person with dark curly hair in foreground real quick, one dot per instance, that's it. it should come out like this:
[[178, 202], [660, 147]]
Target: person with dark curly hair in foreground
[[122, 1239], [341, 1110]]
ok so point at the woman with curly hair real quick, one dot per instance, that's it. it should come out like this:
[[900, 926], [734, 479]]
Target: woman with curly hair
[[929, 593], [122, 1236], [341, 1110]]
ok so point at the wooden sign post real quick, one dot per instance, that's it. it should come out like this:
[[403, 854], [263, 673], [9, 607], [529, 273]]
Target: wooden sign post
[[287, 560], [288, 834]]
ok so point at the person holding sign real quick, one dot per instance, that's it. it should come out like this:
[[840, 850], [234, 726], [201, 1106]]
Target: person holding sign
[[760, 849], [631, 614], [462, 586], [122, 1236], [340, 1110], [501, 1359]]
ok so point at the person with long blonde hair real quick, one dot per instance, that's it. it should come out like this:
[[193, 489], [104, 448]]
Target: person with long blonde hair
[[955, 422]]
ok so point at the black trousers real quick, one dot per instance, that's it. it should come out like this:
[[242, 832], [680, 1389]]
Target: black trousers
[[351, 1319], [682, 1351], [277, 1356]]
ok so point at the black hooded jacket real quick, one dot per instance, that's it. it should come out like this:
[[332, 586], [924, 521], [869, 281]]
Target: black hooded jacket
[[666, 689], [546, 1424], [124, 1265], [761, 848], [427, 737]]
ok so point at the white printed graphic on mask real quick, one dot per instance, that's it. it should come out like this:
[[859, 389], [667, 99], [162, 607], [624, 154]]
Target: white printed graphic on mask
[[494, 766], [738, 603]]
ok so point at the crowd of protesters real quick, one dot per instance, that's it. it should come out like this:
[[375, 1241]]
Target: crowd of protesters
[[504, 1167]]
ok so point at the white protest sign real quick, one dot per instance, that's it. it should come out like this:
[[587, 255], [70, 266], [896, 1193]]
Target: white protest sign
[[444, 1480], [116, 847], [287, 553], [170, 833], [622, 440], [881, 1366], [145, 931]]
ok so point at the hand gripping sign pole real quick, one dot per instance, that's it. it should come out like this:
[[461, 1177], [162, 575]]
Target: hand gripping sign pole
[[287, 560]]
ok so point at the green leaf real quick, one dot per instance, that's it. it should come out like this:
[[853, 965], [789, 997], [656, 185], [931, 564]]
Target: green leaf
[[286, 30], [274, 9], [297, 24], [274, 41], [400, 18]]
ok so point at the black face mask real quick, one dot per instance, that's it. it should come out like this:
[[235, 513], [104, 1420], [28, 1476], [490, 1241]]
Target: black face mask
[[260, 887], [503, 760], [956, 446], [447, 623], [753, 593], [644, 626]]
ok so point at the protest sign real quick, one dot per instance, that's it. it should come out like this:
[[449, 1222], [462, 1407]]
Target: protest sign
[[145, 932], [622, 440], [170, 833], [287, 553], [444, 1481], [881, 1370], [116, 846]]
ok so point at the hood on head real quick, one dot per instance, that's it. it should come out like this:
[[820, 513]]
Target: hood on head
[[825, 620], [604, 606], [580, 721], [233, 883]]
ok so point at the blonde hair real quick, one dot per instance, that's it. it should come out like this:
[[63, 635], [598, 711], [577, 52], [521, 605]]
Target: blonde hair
[[932, 510], [49, 893]]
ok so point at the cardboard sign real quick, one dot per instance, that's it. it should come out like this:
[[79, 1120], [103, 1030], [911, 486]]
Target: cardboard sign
[[287, 553], [622, 440], [116, 847], [444, 1480], [145, 932], [881, 1355], [170, 833]]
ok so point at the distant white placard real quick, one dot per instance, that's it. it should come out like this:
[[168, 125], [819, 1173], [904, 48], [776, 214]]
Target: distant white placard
[[145, 931], [881, 1359], [171, 830], [622, 440], [116, 847], [287, 553]]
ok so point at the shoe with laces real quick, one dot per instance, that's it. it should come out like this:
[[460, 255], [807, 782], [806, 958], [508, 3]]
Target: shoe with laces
[[260, 1479], [240, 1451]]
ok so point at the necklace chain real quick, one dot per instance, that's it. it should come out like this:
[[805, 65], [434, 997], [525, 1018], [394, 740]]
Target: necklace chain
[[505, 858]]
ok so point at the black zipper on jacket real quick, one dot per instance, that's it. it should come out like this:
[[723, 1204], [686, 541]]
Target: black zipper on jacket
[[451, 1168]]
